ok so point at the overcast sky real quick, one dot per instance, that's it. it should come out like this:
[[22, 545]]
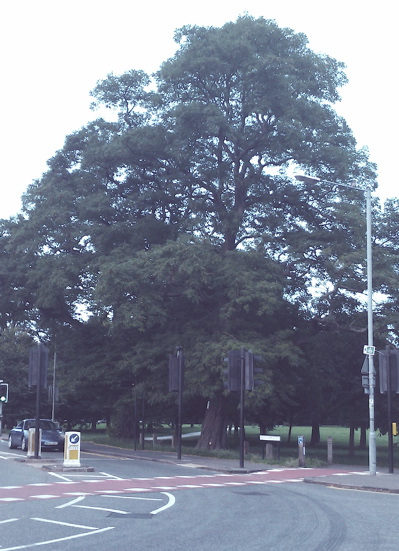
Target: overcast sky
[[54, 51]]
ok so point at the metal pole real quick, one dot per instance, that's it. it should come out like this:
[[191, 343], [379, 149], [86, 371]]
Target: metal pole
[[136, 424], [180, 401], [372, 440], [389, 393], [38, 390], [53, 404], [242, 395]]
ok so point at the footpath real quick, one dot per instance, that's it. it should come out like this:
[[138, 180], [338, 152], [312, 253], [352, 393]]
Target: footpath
[[352, 477]]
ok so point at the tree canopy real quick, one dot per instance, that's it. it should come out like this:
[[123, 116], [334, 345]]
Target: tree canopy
[[178, 222]]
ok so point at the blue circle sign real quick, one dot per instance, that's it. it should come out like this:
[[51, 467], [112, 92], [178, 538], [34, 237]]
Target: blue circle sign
[[74, 438]]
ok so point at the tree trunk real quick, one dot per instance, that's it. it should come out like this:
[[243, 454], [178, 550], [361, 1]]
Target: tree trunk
[[213, 434], [351, 440], [362, 442], [315, 438]]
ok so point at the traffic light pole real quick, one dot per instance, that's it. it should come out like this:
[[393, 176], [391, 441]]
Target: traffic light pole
[[389, 393], [180, 401], [38, 391], [242, 397]]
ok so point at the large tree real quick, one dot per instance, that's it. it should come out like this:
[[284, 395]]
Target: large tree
[[201, 156]]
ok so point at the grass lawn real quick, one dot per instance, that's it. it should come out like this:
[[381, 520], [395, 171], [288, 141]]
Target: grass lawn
[[315, 455]]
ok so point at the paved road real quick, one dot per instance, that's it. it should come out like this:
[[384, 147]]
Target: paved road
[[132, 503], [104, 485]]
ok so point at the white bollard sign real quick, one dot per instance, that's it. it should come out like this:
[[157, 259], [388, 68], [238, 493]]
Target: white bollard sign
[[72, 449]]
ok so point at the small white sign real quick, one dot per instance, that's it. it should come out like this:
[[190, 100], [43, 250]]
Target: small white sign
[[369, 350], [270, 438]]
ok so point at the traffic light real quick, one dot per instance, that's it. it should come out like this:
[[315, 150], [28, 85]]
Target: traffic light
[[176, 372], [389, 370], [251, 371], [232, 373], [365, 375], [173, 373], [4, 392]]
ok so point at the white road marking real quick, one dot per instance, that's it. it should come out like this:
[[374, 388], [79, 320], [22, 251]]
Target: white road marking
[[64, 478], [135, 497], [8, 520], [112, 476], [170, 503], [102, 509], [45, 496], [129, 490], [65, 523], [70, 503], [48, 542]]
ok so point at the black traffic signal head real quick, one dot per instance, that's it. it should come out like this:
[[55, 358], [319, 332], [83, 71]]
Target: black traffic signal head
[[251, 370], [232, 373], [4, 392]]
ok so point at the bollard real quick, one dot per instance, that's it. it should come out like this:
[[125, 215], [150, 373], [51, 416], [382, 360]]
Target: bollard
[[301, 451], [154, 440], [330, 450], [246, 447], [72, 449], [32, 442]]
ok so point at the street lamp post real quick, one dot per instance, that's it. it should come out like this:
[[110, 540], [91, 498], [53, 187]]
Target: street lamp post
[[369, 349]]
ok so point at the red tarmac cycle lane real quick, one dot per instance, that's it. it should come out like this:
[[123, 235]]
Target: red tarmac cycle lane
[[64, 489]]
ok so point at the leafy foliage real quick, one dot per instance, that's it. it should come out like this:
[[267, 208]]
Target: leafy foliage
[[177, 223]]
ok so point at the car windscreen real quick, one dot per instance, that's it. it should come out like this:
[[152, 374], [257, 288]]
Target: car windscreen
[[44, 424]]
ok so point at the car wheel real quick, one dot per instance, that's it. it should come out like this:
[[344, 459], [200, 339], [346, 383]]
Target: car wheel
[[24, 444], [11, 444]]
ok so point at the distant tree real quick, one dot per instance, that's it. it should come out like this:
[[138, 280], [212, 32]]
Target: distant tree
[[14, 359]]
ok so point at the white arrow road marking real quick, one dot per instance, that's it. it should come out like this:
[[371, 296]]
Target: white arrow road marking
[[170, 503]]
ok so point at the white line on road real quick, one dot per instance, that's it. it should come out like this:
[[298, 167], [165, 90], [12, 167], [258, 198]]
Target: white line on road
[[65, 523], [133, 497], [8, 520], [63, 478], [112, 476], [48, 542], [102, 509], [170, 503], [70, 503]]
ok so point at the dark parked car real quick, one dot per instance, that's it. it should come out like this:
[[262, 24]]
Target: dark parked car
[[52, 436]]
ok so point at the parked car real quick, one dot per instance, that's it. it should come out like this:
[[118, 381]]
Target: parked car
[[52, 436]]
